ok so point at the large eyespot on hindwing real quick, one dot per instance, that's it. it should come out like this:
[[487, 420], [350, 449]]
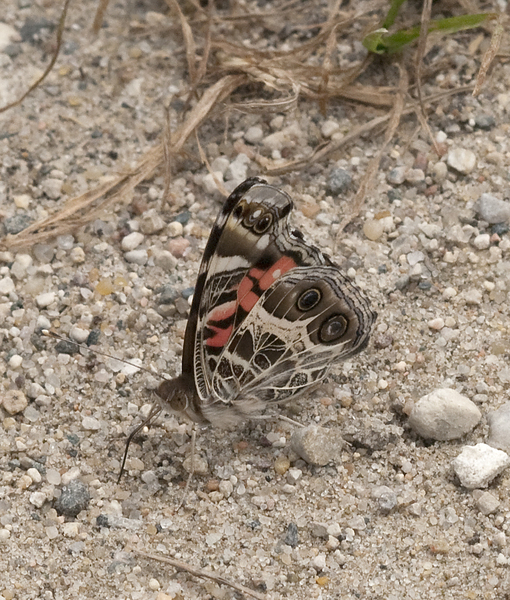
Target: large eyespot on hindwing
[[309, 299], [263, 223], [332, 329]]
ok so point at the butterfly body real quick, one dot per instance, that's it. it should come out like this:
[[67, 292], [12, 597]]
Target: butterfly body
[[270, 314]]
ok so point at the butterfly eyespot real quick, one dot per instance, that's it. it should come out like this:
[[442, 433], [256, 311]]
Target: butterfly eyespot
[[333, 329], [263, 224], [309, 299]]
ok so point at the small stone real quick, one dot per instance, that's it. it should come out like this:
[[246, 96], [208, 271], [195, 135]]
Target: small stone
[[332, 543], [37, 499], [293, 476], [373, 229], [78, 334], [482, 241], [70, 475], [439, 172], [492, 209], [199, 466], [397, 176], [137, 257], [6, 286], [339, 182], [5, 534], [132, 241], [151, 222], [316, 445], [53, 477], [415, 176], [444, 414], [209, 183], [319, 562], [14, 225], [238, 169], [291, 536], [436, 324], [15, 361], [473, 296], [281, 464], [14, 401], [71, 529], [44, 300], [487, 503], [476, 466], [413, 258], [73, 499], [175, 229], [485, 121], [90, 424], [52, 188], [386, 498], [226, 488], [499, 428], [370, 432], [34, 475], [44, 253], [178, 246], [78, 255], [254, 135], [329, 127], [20, 265], [449, 293], [221, 164], [461, 160], [165, 260]]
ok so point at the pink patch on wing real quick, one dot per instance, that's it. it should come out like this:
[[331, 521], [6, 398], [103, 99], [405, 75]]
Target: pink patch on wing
[[221, 312], [248, 301], [220, 337], [281, 266]]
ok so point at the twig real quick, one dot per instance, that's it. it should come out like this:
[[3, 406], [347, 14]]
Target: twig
[[60, 34], [489, 55], [202, 574]]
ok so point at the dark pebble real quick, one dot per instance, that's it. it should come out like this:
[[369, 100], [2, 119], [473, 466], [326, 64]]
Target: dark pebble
[[73, 439], [73, 499], [339, 182], [424, 285], [182, 218], [382, 269], [291, 535], [402, 282], [102, 521], [65, 347], [500, 228], [485, 121], [13, 464], [167, 295], [187, 292], [31, 28], [383, 340], [70, 47], [13, 50], [394, 195], [254, 524], [96, 134], [16, 224], [38, 341], [93, 337]]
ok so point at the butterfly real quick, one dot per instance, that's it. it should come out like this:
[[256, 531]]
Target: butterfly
[[270, 314]]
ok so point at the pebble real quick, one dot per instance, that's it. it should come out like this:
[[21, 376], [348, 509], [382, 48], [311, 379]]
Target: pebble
[[15, 361], [34, 475], [492, 209], [44, 300], [90, 424], [165, 260], [473, 296], [137, 257], [44, 253], [175, 229], [37, 499], [485, 121], [293, 476], [52, 188], [53, 477], [319, 562], [499, 428], [415, 176], [199, 466], [132, 241], [178, 246], [151, 222], [16, 224], [339, 182], [476, 466], [371, 432], [397, 175], [20, 265], [78, 255], [74, 498], [7, 35], [254, 134], [209, 183], [413, 258], [373, 229], [5, 534], [329, 127], [482, 241], [238, 168], [316, 445], [439, 172], [14, 401], [386, 498], [487, 503], [78, 334], [291, 536], [6, 286], [461, 160], [444, 414], [436, 324], [281, 464]]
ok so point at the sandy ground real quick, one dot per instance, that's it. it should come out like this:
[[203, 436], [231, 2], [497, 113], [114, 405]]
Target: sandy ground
[[307, 532]]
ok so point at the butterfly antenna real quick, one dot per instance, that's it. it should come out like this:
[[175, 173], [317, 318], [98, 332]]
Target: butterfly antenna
[[54, 335]]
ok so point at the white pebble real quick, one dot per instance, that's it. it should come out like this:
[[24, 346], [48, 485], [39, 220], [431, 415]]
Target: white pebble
[[437, 324], [68, 476], [132, 241], [6, 286], [461, 160], [329, 127], [137, 257], [34, 475], [15, 361], [44, 300], [476, 466], [473, 296], [449, 293], [53, 477], [444, 414], [22, 201], [37, 499], [78, 255], [373, 229], [52, 188], [175, 229], [482, 241], [319, 562], [209, 184], [90, 424], [254, 134], [5, 534]]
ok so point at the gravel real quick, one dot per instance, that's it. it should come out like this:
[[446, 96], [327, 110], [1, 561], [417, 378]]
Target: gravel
[[431, 248]]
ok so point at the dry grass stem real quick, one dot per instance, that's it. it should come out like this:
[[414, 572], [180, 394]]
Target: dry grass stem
[[181, 566], [60, 34], [99, 16], [490, 54]]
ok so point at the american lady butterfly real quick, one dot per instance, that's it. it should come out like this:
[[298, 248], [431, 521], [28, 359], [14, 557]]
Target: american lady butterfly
[[269, 317]]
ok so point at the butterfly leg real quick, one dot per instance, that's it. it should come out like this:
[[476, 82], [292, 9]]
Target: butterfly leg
[[281, 417], [154, 412], [191, 466]]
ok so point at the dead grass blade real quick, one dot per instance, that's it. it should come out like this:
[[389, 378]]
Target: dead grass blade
[[60, 34], [489, 55], [72, 217], [99, 16], [181, 566], [189, 42], [367, 183]]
